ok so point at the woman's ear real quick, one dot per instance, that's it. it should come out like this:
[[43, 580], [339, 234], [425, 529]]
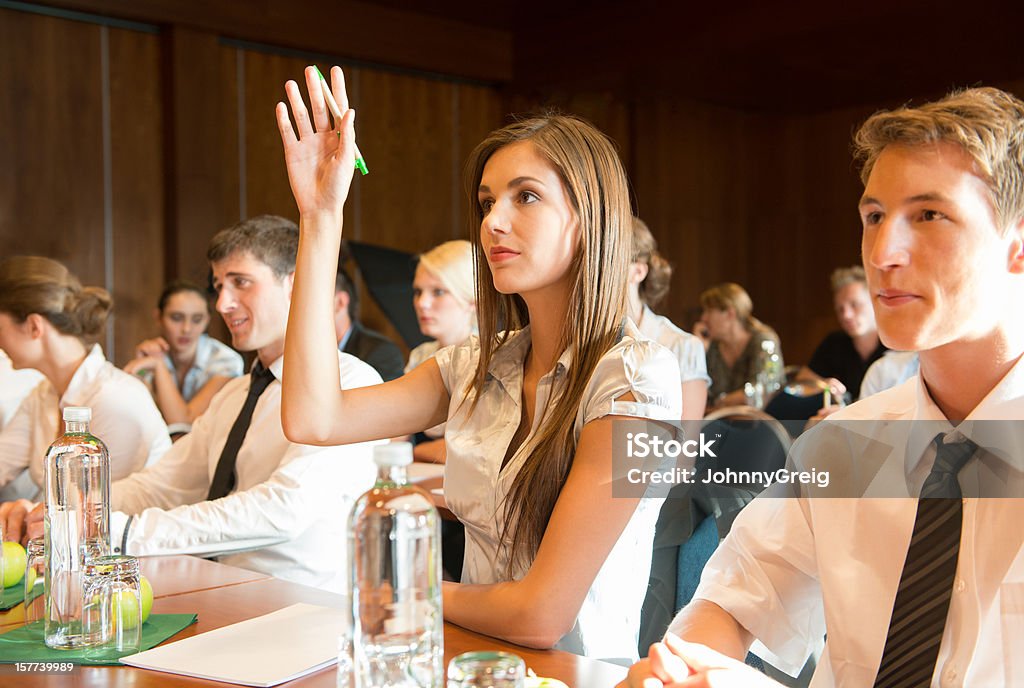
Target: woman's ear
[[637, 272], [35, 325]]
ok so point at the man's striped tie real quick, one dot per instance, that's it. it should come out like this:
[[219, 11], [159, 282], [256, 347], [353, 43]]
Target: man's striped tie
[[926, 585]]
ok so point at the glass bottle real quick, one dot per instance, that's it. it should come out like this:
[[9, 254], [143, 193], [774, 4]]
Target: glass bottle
[[771, 368], [76, 525], [395, 563]]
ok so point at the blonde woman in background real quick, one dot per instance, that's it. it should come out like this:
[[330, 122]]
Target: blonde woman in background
[[47, 320], [551, 555], [649, 276], [442, 294], [736, 336]]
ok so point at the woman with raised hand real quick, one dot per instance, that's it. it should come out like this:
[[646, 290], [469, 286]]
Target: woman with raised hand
[[47, 321], [184, 366], [552, 559]]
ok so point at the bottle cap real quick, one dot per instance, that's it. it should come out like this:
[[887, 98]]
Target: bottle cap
[[393, 454], [78, 414]]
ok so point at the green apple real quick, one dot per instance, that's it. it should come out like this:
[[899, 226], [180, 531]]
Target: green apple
[[147, 598], [14, 563], [129, 604]]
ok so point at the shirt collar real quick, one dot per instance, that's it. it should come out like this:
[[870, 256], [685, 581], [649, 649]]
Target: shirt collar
[[507, 362], [277, 367], [81, 382], [347, 336], [993, 424]]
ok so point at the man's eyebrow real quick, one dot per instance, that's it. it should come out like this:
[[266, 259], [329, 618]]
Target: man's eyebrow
[[929, 197]]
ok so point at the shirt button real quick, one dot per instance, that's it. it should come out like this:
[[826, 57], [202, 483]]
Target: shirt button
[[961, 585]]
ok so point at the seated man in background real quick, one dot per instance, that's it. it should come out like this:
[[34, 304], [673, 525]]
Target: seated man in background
[[843, 357], [358, 340], [923, 589], [235, 487]]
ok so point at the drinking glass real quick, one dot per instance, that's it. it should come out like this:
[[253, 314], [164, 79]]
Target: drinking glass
[[35, 579], [113, 607], [487, 670]]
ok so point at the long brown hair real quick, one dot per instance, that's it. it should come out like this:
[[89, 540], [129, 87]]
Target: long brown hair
[[597, 190], [33, 284]]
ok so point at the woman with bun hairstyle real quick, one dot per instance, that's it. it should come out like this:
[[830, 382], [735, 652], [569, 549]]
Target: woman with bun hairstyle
[[184, 365], [649, 276], [553, 558], [47, 321]]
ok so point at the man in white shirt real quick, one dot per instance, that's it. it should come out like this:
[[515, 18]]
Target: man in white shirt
[[943, 247], [275, 507]]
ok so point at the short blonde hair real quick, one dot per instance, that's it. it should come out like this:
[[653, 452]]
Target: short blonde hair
[[452, 263], [986, 122], [842, 277]]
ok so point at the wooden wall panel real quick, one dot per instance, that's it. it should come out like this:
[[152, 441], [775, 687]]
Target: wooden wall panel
[[689, 170], [51, 136], [267, 189], [479, 113], [51, 167], [406, 130], [136, 125]]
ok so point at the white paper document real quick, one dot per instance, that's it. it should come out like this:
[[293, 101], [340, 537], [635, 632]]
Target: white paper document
[[264, 651]]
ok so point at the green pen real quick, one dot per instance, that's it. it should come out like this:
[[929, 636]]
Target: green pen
[[332, 105]]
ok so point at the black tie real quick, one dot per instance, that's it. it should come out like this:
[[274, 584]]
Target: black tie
[[224, 477], [926, 585]]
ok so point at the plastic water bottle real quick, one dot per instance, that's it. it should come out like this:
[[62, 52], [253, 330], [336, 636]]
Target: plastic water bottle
[[395, 560], [76, 526]]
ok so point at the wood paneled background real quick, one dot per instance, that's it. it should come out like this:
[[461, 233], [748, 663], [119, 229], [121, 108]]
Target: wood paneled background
[[130, 135]]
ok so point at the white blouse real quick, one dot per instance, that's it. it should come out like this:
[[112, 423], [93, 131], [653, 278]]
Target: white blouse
[[15, 385], [687, 348], [476, 485], [124, 416]]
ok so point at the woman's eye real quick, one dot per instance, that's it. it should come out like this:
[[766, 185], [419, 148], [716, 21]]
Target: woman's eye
[[528, 197], [931, 215], [486, 205], [177, 318], [438, 293], [872, 218]]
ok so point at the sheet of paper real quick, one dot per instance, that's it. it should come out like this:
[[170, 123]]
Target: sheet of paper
[[254, 652]]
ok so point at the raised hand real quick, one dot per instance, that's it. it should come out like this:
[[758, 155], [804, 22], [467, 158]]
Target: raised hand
[[321, 159]]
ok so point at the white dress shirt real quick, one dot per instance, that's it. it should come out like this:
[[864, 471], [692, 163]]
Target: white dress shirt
[[687, 348], [792, 569], [476, 485], [124, 416], [288, 513], [888, 371], [15, 385]]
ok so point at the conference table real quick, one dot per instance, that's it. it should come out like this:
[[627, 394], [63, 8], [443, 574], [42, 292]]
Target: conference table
[[223, 595]]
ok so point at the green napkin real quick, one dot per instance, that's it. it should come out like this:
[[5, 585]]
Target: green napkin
[[12, 596], [25, 643]]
